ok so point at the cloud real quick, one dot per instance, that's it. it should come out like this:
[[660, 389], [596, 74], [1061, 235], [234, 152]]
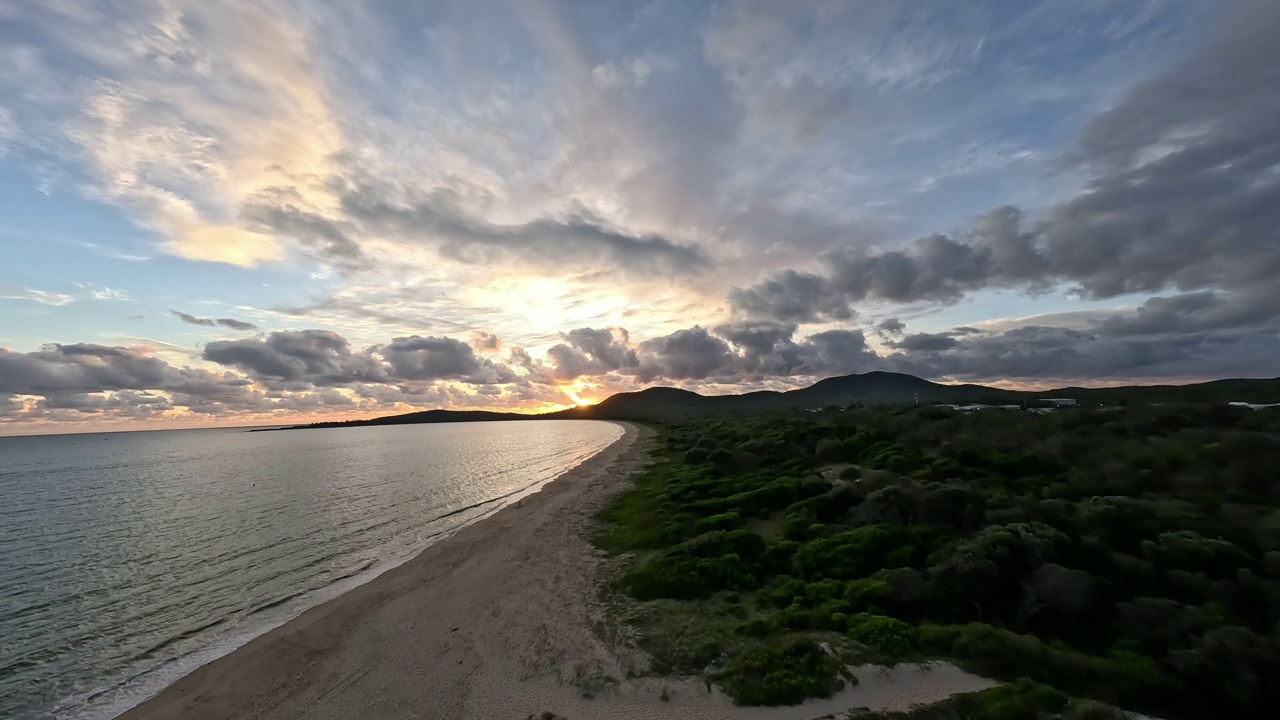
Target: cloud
[[925, 342], [484, 341], [590, 351], [314, 357], [891, 327], [837, 352], [179, 112], [450, 170], [285, 212], [103, 293], [70, 369], [692, 354], [441, 358], [732, 353], [578, 239], [212, 322], [615, 75], [1191, 336], [41, 297], [323, 358], [997, 253], [792, 296], [1182, 192], [766, 347]]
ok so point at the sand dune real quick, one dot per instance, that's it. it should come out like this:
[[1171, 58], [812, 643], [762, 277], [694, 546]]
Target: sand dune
[[500, 621]]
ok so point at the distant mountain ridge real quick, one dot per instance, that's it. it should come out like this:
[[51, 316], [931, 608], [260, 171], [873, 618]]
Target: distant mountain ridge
[[872, 388]]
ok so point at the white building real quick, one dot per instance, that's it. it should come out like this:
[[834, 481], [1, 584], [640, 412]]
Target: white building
[[1060, 402]]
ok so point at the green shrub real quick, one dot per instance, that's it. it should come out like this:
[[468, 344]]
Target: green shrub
[[727, 572], [830, 451], [783, 673], [723, 521], [777, 557], [1024, 700], [665, 576], [852, 554], [887, 637], [1126, 678], [696, 456], [868, 594], [757, 627]]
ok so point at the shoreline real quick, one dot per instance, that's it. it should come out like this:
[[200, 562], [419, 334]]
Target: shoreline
[[500, 620], [124, 695], [221, 688]]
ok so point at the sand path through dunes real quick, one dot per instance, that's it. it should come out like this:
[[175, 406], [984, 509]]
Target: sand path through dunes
[[501, 620]]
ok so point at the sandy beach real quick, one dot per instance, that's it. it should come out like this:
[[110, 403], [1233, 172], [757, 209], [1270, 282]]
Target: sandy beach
[[502, 620]]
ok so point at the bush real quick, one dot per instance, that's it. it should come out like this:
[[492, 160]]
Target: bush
[[696, 456], [756, 627], [1126, 678], [889, 638], [723, 521], [666, 576], [727, 572], [852, 554], [1023, 700], [830, 451], [784, 673]]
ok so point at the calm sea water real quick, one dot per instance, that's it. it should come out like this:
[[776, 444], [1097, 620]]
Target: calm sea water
[[127, 560]]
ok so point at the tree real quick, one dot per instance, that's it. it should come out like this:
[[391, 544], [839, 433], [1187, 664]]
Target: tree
[[1055, 588]]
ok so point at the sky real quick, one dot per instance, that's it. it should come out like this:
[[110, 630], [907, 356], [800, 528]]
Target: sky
[[226, 212]]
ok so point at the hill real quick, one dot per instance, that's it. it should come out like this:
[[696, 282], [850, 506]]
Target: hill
[[872, 388]]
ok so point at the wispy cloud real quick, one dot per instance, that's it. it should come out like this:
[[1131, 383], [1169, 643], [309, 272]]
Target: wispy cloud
[[214, 322], [41, 297]]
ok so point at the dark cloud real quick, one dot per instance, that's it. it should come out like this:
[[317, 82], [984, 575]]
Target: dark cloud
[[440, 358], [891, 326], [998, 253], [325, 359], [521, 358], [80, 368], [837, 352], [1181, 192], [316, 357], [792, 296], [71, 381], [924, 342], [766, 348], [283, 211], [213, 322], [931, 268], [592, 351], [692, 354], [579, 239], [1190, 336]]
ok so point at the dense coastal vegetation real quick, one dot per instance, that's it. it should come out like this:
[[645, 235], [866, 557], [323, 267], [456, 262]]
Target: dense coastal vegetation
[[1124, 555]]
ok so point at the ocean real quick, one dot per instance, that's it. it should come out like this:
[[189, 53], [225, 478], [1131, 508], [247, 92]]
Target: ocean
[[129, 559]]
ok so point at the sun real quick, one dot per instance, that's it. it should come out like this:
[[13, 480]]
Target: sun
[[575, 391]]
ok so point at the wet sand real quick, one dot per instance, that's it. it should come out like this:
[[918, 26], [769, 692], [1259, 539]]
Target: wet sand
[[502, 620]]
